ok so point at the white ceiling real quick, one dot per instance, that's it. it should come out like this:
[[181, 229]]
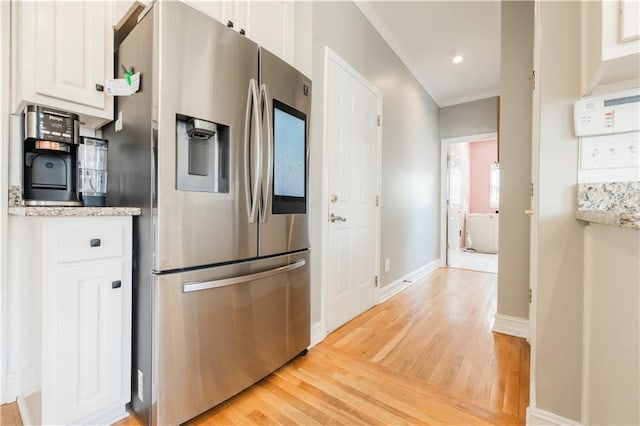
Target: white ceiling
[[427, 34]]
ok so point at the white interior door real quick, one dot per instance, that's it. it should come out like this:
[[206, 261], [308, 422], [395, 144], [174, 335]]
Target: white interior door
[[454, 208], [352, 110]]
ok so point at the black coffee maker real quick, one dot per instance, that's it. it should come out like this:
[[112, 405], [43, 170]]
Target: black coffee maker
[[49, 160]]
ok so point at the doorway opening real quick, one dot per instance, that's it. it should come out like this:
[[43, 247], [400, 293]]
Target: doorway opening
[[471, 202]]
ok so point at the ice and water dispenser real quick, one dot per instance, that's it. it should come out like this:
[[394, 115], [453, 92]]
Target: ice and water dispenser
[[202, 155]]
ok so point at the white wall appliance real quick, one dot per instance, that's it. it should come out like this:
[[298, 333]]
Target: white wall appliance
[[214, 149], [609, 130]]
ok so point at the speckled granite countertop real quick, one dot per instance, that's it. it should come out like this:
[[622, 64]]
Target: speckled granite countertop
[[74, 211], [610, 203], [17, 208]]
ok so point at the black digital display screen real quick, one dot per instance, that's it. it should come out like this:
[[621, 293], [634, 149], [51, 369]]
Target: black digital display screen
[[55, 128], [290, 159]]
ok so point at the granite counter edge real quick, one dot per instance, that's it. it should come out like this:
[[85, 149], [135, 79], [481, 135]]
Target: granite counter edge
[[620, 220], [74, 211]]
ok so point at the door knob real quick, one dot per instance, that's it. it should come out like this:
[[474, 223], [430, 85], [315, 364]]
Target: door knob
[[335, 218], [528, 212]]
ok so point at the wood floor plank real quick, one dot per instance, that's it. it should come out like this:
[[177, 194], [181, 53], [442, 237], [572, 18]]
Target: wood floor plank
[[426, 356]]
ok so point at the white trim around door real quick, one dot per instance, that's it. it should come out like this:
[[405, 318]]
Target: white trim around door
[[331, 57], [444, 145], [535, 200], [5, 12]]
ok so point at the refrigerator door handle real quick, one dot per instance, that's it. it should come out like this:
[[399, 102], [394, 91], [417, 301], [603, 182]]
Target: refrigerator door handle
[[252, 188], [266, 189], [190, 286]]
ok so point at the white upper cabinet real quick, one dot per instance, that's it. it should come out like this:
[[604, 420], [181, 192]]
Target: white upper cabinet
[[629, 20], [272, 24], [62, 52], [610, 44]]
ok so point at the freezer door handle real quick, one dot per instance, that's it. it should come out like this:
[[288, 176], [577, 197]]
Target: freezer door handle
[[190, 286], [252, 188], [266, 189]]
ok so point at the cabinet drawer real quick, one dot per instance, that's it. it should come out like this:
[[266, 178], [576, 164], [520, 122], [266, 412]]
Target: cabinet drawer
[[89, 242]]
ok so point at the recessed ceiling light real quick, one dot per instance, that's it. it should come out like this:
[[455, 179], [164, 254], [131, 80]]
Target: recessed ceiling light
[[457, 59]]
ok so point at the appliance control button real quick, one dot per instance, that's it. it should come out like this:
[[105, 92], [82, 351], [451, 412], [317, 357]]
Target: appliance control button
[[55, 133]]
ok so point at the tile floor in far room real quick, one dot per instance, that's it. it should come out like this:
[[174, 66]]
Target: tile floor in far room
[[483, 262]]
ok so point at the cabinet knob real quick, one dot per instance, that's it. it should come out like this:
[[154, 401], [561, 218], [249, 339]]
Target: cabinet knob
[[242, 32], [116, 284], [230, 24], [95, 242], [99, 87]]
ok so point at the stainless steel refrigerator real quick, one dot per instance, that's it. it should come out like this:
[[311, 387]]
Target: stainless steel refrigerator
[[214, 149]]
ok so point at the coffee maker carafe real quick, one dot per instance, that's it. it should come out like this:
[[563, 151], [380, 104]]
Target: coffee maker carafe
[[49, 157]]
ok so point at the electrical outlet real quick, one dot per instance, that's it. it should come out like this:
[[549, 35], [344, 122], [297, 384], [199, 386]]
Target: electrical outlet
[[609, 151], [140, 386], [387, 264]]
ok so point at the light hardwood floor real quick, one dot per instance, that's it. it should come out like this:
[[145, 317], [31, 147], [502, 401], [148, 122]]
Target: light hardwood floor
[[9, 415], [427, 356]]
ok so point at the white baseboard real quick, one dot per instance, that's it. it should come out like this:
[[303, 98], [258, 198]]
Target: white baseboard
[[317, 333], [400, 284], [12, 387], [25, 414], [513, 326], [538, 417]]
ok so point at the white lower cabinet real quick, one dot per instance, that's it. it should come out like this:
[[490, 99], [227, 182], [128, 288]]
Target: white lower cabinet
[[77, 293], [90, 334]]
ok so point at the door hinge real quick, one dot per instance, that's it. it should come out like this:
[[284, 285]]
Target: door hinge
[[532, 79], [530, 296], [532, 189], [378, 120], [377, 201], [376, 281]]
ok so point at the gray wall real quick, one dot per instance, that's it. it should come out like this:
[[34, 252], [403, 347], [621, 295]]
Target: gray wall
[[410, 143], [560, 248], [470, 118], [612, 326], [515, 156]]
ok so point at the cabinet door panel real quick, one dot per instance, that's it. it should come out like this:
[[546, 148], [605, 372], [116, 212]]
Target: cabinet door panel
[[223, 11], [271, 25], [71, 48], [90, 343]]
